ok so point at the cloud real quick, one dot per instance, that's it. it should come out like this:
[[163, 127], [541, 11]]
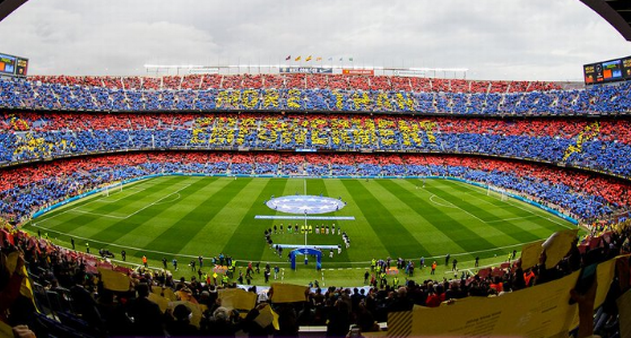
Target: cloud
[[495, 39]]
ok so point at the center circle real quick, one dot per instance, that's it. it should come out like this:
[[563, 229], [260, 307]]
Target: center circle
[[305, 204]]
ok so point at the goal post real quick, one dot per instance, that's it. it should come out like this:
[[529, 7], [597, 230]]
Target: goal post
[[112, 188], [496, 192]]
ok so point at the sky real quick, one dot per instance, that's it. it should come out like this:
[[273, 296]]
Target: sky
[[493, 39]]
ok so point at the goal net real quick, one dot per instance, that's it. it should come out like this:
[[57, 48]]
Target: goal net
[[498, 193], [114, 188]]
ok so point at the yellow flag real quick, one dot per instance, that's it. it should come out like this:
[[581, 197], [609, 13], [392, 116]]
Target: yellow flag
[[165, 292], [267, 316], [162, 302], [12, 261], [26, 289], [114, 280], [5, 330], [297, 59], [274, 318], [308, 58]]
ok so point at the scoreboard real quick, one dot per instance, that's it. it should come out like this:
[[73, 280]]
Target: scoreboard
[[11, 65], [608, 71]]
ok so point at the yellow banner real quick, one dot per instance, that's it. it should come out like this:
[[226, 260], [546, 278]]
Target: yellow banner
[[237, 299], [197, 313], [558, 245], [624, 308], [604, 272], [114, 280], [288, 293], [530, 254], [536, 312]]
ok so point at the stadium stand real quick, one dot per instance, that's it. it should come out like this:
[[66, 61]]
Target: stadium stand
[[63, 136], [72, 94], [300, 81], [599, 144]]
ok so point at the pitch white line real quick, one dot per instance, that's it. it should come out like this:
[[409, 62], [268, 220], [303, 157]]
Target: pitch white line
[[137, 211], [134, 191], [85, 212], [75, 207], [450, 205], [517, 204], [457, 207], [127, 247], [455, 255], [511, 219], [171, 201]]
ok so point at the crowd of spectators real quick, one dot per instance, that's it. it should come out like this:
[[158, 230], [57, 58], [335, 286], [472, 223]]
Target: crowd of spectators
[[299, 81], [74, 301], [297, 94], [602, 144], [585, 196], [87, 126]]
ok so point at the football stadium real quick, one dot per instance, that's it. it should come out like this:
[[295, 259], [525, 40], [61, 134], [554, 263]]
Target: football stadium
[[315, 199]]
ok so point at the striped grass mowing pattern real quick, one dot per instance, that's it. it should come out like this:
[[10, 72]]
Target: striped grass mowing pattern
[[185, 217]]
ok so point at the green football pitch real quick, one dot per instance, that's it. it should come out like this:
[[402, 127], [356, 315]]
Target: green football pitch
[[186, 216]]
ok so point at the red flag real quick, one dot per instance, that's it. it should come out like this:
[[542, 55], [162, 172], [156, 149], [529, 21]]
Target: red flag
[[8, 236]]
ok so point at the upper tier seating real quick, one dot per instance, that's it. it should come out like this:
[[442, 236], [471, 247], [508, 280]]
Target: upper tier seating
[[296, 95], [602, 144]]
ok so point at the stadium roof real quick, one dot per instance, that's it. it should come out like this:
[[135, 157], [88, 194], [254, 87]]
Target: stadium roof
[[8, 6], [616, 12]]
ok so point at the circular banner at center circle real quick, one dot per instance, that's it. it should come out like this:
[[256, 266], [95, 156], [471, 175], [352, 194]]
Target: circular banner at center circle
[[305, 204]]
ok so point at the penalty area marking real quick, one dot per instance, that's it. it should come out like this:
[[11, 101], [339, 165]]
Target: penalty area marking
[[134, 186], [78, 210], [512, 202], [509, 202], [449, 205], [143, 208], [133, 192]]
